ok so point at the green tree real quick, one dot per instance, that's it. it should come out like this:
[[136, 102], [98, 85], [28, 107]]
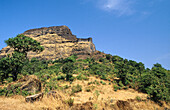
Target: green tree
[[108, 56], [68, 70], [24, 44], [156, 83], [33, 66], [11, 65]]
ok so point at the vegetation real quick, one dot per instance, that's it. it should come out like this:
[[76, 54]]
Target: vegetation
[[68, 70], [11, 65], [122, 73], [77, 88], [23, 44], [70, 102]]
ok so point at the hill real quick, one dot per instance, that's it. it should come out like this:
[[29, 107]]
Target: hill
[[58, 41], [85, 79]]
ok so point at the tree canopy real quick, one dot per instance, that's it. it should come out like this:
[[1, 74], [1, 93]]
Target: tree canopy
[[11, 65], [24, 44]]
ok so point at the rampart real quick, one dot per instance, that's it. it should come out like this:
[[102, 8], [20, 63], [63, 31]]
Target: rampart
[[84, 40]]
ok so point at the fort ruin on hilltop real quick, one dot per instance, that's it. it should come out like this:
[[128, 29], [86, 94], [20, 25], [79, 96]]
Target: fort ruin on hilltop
[[58, 41]]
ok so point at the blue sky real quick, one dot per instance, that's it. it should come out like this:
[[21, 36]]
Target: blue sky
[[134, 29]]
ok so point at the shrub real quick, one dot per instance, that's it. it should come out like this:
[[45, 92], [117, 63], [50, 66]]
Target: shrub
[[125, 88], [102, 82], [34, 66], [97, 82], [101, 60], [25, 93], [103, 76], [89, 88], [116, 87], [46, 90], [108, 57], [51, 85], [138, 98], [3, 91], [90, 82], [77, 88], [70, 102], [82, 77], [9, 80], [95, 106], [61, 77], [72, 58], [96, 94], [66, 87], [120, 84]]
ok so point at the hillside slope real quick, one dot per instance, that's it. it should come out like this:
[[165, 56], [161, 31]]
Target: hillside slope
[[100, 97], [71, 75]]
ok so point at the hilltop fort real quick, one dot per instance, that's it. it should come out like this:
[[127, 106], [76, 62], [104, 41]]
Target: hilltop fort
[[58, 41]]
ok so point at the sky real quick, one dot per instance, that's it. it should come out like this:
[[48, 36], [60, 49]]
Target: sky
[[133, 29]]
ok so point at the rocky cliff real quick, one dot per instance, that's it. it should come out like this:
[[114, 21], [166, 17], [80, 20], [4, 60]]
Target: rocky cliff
[[58, 41]]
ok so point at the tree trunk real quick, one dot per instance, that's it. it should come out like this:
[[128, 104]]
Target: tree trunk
[[14, 76]]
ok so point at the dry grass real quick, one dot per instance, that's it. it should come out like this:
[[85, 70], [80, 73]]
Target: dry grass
[[18, 103], [101, 96]]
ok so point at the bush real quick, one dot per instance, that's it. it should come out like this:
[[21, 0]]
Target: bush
[[120, 84], [51, 85], [3, 91], [102, 82], [97, 82], [70, 102], [25, 93], [108, 57], [72, 58], [138, 98], [34, 66], [101, 60], [77, 88], [66, 87], [82, 77], [116, 87], [100, 69], [61, 77], [96, 94], [103, 76], [90, 82], [125, 88], [89, 88]]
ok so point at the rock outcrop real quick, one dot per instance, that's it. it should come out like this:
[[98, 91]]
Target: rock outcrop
[[29, 83], [35, 97], [58, 41]]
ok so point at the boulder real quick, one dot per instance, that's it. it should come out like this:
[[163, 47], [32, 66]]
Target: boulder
[[55, 95], [35, 97], [122, 105], [28, 83]]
